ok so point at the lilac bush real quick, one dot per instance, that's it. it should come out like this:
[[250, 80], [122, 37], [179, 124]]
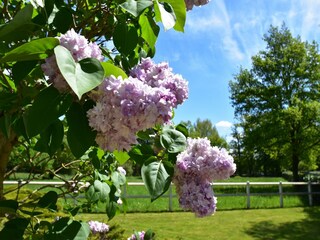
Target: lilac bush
[[195, 169]]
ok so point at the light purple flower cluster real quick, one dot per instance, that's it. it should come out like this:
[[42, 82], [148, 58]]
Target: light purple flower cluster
[[80, 49], [98, 227], [191, 3], [124, 107], [161, 75], [195, 169], [141, 236]]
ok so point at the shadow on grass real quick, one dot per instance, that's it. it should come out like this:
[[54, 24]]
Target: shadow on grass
[[305, 229]]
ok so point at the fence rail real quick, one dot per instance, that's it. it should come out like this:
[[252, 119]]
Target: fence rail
[[247, 193]]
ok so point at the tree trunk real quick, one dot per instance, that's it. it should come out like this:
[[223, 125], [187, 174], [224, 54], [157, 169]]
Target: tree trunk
[[295, 167], [6, 146]]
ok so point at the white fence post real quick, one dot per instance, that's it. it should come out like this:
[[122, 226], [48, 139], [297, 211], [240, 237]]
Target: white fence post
[[310, 193], [248, 194], [281, 194]]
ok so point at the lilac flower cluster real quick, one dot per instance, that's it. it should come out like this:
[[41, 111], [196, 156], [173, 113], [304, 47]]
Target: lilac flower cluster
[[141, 236], [124, 107], [97, 227], [161, 76], [195, 169], [191, 3], [79, 47]]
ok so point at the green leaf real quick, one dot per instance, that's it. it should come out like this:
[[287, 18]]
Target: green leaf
[[8, 206], [164, 13], [48, 106], [179, 8], [34, 50], [103, 189], [110, 69], [21, 69], [71, 230], [136, 7], [63, 20], [173, 140], [125, 38], [51, 139], [91, 194], [49, 200], [60, 224], [149, 235], [84, 231], [14, 229], [21, 24], [111, 209], [121, 156], [80, 135], [76, 230], [7, 100], [149, 29], [118, 179], [140, 153], [83, 76], [155, 177], [183, 129]]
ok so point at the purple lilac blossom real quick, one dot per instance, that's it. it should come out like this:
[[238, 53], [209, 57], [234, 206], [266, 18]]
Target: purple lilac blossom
[[141, 236], [79, 48], [98, 227], [195, 169], [124, 107], [121, 170], [191, 3], [161, 75]]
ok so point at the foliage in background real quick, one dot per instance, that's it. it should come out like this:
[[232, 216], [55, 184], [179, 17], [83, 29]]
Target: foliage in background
[[277, 105], [205, 128]]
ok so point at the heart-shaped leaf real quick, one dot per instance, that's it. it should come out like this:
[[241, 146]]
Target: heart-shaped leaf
[[83, 76]]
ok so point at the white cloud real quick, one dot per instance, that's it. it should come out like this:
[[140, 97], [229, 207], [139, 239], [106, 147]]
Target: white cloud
[[224, 129], [214, 23], [198, 24], [223, 124]]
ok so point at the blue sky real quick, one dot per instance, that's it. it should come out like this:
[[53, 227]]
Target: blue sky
[[219, 38]]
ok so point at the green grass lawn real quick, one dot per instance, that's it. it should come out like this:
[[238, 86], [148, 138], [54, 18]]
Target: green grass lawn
[[266, 224]]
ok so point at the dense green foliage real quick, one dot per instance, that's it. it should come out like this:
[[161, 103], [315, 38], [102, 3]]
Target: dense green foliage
[[205, 128], [46, 131], [277, 105]]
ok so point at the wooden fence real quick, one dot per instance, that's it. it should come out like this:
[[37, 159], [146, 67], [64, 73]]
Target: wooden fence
[[248, 194]]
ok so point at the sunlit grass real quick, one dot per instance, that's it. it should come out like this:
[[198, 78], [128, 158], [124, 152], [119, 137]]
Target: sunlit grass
[[285, 223]]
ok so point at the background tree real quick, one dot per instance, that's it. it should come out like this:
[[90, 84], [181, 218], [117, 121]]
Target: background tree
[[205, 128], [277, 100]]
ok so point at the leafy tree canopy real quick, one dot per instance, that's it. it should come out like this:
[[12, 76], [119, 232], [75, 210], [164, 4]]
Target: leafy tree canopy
[[277, 100]]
